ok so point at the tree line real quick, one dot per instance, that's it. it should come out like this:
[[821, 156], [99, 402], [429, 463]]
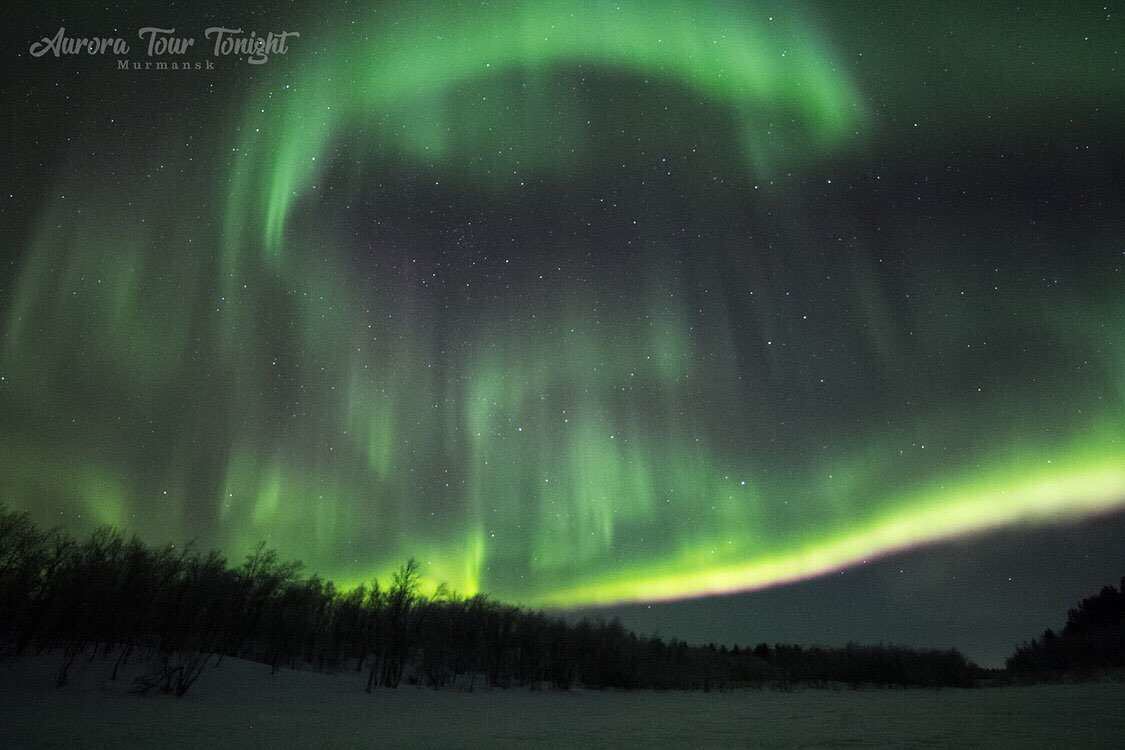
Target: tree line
[[1091, 641], [176, 610]]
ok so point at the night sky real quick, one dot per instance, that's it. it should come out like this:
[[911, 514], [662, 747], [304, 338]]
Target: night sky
[[588, 303]]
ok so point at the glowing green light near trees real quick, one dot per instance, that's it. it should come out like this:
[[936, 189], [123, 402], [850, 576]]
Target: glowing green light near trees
[[237, 368]]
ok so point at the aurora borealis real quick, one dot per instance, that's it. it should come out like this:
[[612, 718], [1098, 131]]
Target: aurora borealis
[[576, 302]]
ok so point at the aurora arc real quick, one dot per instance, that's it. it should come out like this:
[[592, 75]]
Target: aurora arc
[[572, 450], [409, 89]]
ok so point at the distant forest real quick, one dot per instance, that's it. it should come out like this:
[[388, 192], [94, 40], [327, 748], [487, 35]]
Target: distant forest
[[178, 610]]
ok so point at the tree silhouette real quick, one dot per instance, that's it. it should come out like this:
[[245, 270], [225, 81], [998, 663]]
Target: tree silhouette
[[1092, 639], [176, 611]]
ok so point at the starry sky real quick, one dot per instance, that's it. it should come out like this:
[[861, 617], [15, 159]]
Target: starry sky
[[741, 320]]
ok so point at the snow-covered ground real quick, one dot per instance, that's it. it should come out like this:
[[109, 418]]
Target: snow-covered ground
[[239, 704]]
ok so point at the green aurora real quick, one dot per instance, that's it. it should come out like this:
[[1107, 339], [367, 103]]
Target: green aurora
[[212, 353]]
